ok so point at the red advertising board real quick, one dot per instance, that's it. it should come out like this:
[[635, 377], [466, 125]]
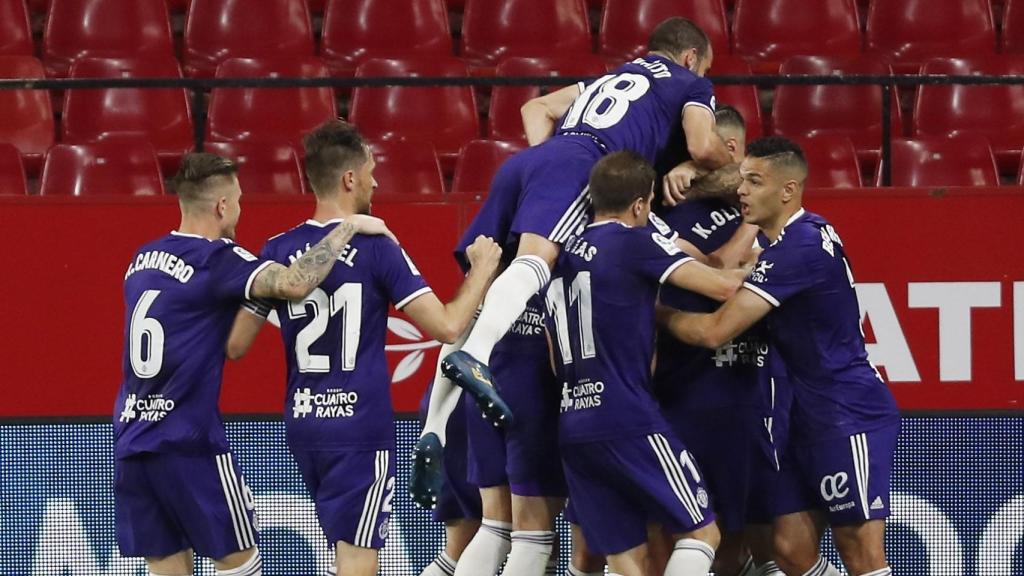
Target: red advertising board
[[939, 279]]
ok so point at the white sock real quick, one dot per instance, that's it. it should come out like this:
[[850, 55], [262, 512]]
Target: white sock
[[769, 569], [552, 568], [574, 571], [690, 557], [506, 301], [443, 565], [531, 550], [823, 568], [252, 567], [887, 571], [487, 550], [444, 394], [332, 571]]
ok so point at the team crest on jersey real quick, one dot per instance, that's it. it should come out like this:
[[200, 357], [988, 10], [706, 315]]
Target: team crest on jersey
[[384, 528], [702, 497], [760, 273]]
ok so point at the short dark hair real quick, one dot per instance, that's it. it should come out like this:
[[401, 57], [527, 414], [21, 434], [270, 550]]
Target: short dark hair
[[196, 171], [728, 117], [618, 179], [677, 35], [333, 148], [779, 151]]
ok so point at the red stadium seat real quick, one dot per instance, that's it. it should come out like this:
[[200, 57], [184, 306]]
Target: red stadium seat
[[277, 115], [12, 172], [39, 6], [504, 119], [851, 111], [15, 30], [263, 168], [356, 30], [161, 117], [908, 32], [1013, 27], [105, 29], [443, 116], [110, 168], [317, 6], [626, 24], [832, 161], [959, 161], [406, 172], [493, 30], [26, 116], [766, 32], [742, 97], [478, 161], [216, 30], [995, 112]]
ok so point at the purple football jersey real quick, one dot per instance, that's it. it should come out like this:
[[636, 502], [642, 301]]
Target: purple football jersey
[[806, 276], [339, 390], [692, 377], [638, 106], [181, 294], [601, 317]]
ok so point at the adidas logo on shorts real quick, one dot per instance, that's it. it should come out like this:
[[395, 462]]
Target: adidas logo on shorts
[[877, 503]]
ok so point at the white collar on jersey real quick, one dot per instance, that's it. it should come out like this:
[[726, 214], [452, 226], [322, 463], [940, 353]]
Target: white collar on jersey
[[603, 222], [312, 222], [176, 233], [796, 216]]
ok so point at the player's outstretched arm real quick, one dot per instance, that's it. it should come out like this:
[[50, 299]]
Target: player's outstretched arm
[[243, 333], [713, 330], [706, 147], [446, 322], [298, 280], [540, 114], [738, 251], [697, 277]]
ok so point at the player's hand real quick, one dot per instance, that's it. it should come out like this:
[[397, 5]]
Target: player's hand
[[371, 225], [484, 254], [677, 182]]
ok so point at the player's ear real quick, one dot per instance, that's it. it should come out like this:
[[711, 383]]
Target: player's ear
[[221, 207], [789, 189], [348, 180]]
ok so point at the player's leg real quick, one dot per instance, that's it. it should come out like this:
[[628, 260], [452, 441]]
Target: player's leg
[[859, 529], [352, 492], [458, 534], [493, 541], [533, 535], [694, 552], [632, 562], [759, 542], [553, 205], [583, 561], [209, 500], [177, 564]]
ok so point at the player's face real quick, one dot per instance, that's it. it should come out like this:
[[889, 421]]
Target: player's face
[[231, 209], [760, 192], [364, 185], [704, 65]]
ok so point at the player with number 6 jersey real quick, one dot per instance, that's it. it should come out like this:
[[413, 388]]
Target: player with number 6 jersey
[[339, 422]]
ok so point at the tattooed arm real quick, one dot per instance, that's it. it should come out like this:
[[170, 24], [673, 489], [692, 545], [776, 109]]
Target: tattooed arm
[[298, 280]]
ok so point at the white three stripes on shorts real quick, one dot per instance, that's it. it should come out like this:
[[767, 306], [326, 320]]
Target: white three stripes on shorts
[[235, 498], [572, 218], [674, 473], [861, 469], [372, 504]]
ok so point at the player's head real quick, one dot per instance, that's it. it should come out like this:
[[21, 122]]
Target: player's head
[[732, 129], [685, 42], [622, 185], [207, 187], [339, 165], [773, 174]]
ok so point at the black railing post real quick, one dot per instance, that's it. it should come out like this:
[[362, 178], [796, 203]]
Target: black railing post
[[198, 117], [886, 158]]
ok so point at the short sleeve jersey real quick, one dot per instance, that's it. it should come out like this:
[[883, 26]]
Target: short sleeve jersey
[[181, 295], [339, 390], [638, 106], [806, 276], [600, 306]]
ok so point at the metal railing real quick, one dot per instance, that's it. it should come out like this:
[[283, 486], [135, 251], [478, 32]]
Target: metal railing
[[201, 86]]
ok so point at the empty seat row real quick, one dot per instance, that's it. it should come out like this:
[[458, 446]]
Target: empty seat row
[[765, 32], [408, 171]]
